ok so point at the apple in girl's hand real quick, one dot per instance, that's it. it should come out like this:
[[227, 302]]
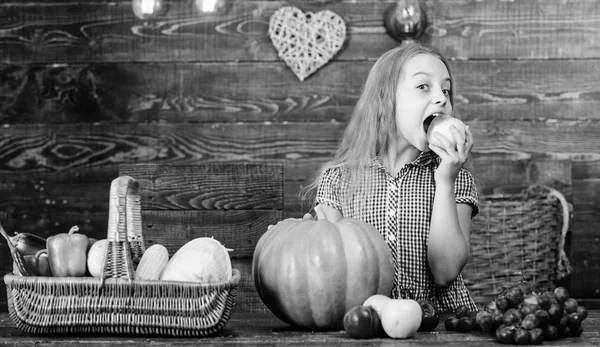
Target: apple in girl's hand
[[401, 318], [441, 124]]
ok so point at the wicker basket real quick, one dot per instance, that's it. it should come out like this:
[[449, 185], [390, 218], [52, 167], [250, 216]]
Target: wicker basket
[[517, 238], [115, 303]]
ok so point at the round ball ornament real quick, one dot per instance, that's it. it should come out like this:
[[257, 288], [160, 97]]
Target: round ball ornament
[[147, 9], [404, 20]]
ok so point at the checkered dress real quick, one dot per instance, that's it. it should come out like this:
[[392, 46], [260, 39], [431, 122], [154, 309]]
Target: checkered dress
[[400, 209]]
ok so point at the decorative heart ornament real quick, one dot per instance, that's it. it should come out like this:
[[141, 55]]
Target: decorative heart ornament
[[306, 41]]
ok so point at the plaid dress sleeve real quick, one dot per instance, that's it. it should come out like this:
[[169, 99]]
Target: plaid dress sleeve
[[466, 191], [329, 188]]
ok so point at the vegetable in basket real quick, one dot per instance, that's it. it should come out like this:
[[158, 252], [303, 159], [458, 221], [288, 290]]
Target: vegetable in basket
[[31, 260], [67, 253], [18, 260], [203, 259], [27, 244], [38, 264]]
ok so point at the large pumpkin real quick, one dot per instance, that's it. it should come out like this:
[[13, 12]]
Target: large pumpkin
[[310, 272]]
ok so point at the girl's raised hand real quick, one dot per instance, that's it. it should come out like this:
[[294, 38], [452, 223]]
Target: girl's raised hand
[[453, 152]]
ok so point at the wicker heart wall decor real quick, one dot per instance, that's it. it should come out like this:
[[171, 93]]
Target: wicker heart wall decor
[[306, 41]]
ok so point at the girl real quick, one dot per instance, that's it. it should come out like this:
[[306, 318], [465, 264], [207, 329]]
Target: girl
[[416, 194]]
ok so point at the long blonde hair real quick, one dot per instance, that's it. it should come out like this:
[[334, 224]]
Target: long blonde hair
[[373, 122]]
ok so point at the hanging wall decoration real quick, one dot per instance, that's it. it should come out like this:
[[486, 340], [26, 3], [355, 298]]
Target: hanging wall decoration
[[306, 41]]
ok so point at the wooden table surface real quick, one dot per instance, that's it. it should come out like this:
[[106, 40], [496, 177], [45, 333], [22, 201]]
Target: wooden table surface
[[249, 329]]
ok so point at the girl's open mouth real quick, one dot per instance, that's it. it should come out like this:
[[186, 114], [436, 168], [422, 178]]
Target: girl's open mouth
[[427, 122]]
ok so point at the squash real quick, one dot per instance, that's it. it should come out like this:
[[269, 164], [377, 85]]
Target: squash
[[309, 272], [203, 259], [95, 258], [152, 263]]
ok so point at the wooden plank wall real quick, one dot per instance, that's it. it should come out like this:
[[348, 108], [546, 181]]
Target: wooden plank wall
[[86, 86], [181, 203]]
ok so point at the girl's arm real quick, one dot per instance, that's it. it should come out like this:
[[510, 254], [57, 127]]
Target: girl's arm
[[448, 244]]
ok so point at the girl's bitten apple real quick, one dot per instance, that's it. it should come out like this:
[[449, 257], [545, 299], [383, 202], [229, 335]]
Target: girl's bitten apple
[[441, 124]]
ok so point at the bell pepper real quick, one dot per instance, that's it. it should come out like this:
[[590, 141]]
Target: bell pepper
[[38, 263], [67, 253]]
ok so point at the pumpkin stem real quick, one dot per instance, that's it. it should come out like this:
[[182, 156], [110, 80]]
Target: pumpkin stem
[[320, 214], [333, 218]]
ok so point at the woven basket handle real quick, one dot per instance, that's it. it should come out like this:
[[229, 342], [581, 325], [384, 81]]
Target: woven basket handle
[[564, 266], [125, 241]]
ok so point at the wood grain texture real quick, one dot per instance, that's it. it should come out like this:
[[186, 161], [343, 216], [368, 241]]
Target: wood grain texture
[[208, 187], [267, 92], [55, 148], [75, 31], [236, 229]]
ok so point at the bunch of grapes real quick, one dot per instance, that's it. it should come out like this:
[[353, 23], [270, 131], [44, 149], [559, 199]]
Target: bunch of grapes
[[521, 316]]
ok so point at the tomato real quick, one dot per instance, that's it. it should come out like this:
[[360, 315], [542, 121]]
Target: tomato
[[505, 334], [484, 320], [498, 318], [512, 316], [536, 336], [491, 307], [451, 323], [521, 336], [502, 303], [551, 333], [461, 311], [563, 332], [576, 331], [543, 318], [430, 316], [582, 312], [528, 309], [530, 322], [531, 299], [546, 299], [570, 305], [465, 325], [563, 327], [555, 313], [574, 320], [561, 294], [515, 296], [362, 322]]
